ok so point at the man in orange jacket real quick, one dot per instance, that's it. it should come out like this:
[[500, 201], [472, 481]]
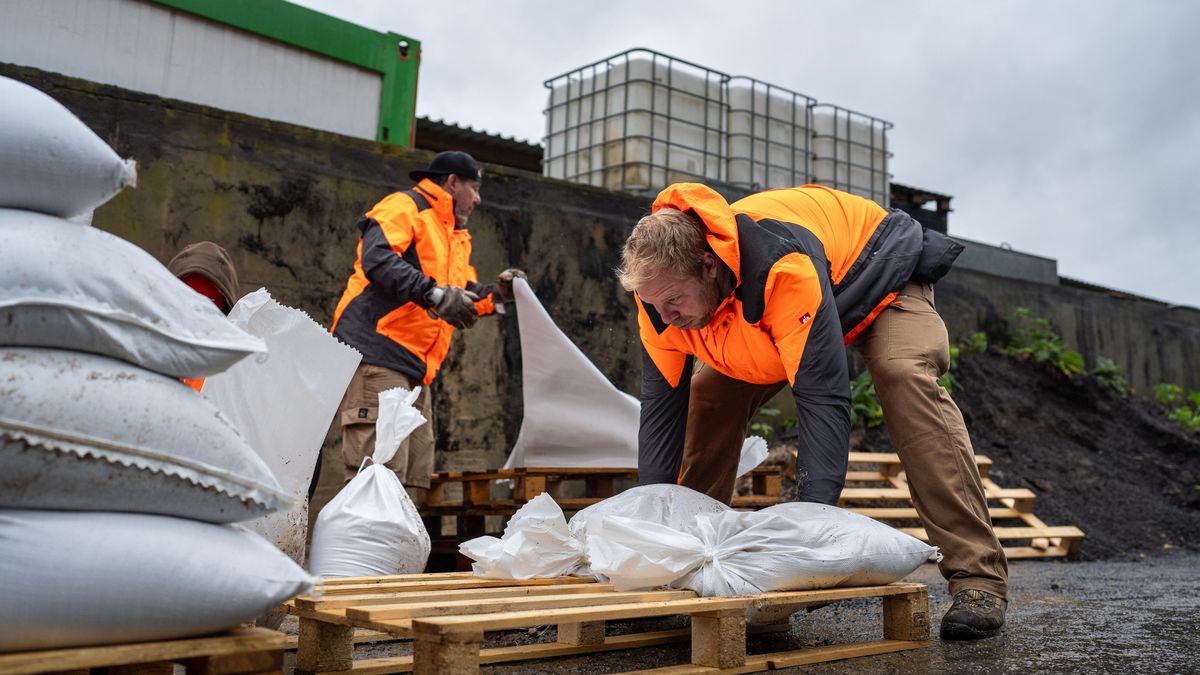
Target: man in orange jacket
[[413, 284], [737, 301]]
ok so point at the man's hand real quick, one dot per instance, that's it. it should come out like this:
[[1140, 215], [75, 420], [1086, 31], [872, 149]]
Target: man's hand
[[504, 282], [457, 307]]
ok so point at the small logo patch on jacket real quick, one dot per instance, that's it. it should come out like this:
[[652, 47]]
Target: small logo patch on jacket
[[805, 319], [363, 413]]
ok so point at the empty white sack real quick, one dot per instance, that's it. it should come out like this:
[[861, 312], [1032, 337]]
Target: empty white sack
[[574, 416], [50, 161], [282, 403], [75, 287], [75, 579], [81, 431]]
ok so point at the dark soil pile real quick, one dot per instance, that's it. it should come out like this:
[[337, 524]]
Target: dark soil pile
[[1112, 465]]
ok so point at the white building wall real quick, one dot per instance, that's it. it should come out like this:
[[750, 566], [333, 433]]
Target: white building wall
[[147, 47]]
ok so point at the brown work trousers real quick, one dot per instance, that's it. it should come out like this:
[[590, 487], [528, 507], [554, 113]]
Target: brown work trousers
[[413, 462], [906, 349]]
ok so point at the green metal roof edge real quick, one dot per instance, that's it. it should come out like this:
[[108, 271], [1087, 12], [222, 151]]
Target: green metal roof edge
[[336, 39]]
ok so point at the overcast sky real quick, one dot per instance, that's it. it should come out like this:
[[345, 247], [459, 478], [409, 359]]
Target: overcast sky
[[1070, 130]]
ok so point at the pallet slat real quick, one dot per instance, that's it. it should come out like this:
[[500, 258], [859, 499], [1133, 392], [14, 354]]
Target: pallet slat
[[239, 642], [444, 608]]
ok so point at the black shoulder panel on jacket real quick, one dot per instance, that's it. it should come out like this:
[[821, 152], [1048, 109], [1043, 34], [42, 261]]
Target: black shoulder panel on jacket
[[760, 245], [418, 199]]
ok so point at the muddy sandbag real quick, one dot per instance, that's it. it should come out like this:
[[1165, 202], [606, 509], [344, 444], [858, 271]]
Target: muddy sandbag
[[86, 432], [93, 578], [50, 161], [786, 547], [73, 287]]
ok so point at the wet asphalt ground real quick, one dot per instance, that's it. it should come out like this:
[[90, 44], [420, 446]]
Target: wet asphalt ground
[[1080, 617], [1064, 617]]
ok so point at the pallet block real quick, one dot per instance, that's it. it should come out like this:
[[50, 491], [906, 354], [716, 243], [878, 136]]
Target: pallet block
[[447, 616], [243, 651]]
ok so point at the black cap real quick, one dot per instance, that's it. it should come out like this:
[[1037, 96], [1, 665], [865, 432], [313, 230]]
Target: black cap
[[449, 162]]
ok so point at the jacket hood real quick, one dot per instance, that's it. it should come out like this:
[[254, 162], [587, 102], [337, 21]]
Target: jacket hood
[[712, 209]]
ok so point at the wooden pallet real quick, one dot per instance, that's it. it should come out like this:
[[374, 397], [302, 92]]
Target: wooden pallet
[[1027, 537], [243, 651], [447, 615]]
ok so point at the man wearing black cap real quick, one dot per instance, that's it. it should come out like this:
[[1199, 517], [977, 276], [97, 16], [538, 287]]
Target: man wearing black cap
[[413, 284]]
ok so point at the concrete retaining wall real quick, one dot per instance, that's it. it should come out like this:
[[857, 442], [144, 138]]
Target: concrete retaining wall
[[283, 200]]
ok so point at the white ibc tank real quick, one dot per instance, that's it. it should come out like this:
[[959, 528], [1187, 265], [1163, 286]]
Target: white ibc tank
[[637, 122], [850, 152], [769, 135]]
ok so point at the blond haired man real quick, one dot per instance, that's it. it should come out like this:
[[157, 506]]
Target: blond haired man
[[737, 301]]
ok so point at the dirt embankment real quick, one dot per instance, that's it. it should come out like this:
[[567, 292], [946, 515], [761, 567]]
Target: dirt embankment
[[1112, 465]]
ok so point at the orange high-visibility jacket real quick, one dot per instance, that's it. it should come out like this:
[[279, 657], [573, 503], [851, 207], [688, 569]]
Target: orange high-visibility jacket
[[813, 267], [409, 245]]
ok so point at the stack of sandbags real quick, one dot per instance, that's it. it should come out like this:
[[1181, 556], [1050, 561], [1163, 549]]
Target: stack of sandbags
[[117, 481]]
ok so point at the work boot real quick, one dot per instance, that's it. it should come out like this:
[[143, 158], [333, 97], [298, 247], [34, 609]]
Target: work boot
[[974, 615]]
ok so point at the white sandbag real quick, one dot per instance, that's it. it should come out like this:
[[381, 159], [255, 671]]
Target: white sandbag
[[50, 161], [574, 416], [372, 527], [282, 403], [92, 578], [536, 544], [672, 506], [73, 287], [86, 432], [794, 546]]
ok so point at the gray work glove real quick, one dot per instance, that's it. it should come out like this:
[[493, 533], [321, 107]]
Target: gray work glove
[[457, 307], [504, 282]]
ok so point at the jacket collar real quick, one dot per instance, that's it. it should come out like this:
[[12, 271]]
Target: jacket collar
[[440, 201], [712, 209]]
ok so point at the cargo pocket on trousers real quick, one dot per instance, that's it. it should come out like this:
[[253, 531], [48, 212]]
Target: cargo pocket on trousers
[[916, 331], [360, 415]]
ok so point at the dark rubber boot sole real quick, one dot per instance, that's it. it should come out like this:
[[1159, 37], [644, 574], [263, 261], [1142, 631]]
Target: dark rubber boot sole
[[959, 631]]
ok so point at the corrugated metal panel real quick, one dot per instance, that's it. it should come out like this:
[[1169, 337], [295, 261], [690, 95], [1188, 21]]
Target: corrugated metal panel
[[149, 48]]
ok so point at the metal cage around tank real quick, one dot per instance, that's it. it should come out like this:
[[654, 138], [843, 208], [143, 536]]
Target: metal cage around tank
[[850, 152], [769, 135], [636, 122], [641, 120]]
